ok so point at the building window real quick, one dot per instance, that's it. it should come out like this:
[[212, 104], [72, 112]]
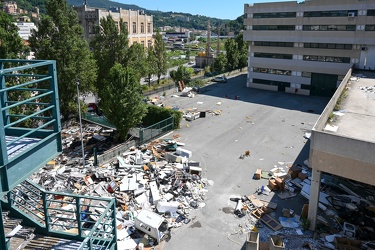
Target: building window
[[329, 27], [370, 12], [274, 27], [327, 46], [370, 27], [149, 44], [326, 59], [274, 44], [306, 74], [305, 86], [269, 82], [143, 43], [134, 27], [332, 13], [275, 15], [126, 26], [273, 55], [148, 27], [272, 71], [142, 28]]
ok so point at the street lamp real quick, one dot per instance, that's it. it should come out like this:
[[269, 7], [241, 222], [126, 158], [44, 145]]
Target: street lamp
[[80, 123]]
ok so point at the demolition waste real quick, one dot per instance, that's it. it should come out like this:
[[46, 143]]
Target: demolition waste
[[158, 185]]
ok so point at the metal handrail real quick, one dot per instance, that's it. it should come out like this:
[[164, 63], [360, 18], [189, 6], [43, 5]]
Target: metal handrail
[[103, 232]]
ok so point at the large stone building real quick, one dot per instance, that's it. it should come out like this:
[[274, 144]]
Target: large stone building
[[307, 47], [140, 25]]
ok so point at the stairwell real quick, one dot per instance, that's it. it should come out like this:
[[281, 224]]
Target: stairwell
[[23, 237]]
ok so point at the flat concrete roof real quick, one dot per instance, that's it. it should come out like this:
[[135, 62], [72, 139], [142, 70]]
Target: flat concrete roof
[[357, 110]]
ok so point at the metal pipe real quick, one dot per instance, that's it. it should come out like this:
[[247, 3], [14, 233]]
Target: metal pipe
[[80, 124]]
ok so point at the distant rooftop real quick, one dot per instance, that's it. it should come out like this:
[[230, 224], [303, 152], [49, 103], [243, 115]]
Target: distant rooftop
[[356, 118]]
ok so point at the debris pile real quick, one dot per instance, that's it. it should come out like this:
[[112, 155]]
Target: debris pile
[[158, 181], [345, 218]]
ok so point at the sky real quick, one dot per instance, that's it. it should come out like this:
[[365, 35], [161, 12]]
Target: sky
[[222, 9]]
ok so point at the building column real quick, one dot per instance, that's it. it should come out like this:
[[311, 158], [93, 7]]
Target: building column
[[248, 66], [314, 197]]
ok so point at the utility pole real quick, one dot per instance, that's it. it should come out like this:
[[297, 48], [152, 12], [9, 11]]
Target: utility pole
[[218, 40], [208, 44]]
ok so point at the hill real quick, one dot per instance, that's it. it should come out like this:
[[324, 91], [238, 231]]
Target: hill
[[172, 19]]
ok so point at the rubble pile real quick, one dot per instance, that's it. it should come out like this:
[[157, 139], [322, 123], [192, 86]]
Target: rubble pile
[[346, 216], [158, 180]]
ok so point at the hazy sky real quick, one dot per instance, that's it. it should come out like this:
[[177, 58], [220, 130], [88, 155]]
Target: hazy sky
[[223, 9]]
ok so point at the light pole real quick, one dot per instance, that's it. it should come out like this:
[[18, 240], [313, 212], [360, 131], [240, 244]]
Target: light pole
[[80, 124]]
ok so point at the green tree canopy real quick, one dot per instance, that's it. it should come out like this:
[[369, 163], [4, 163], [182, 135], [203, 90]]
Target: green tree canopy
[[122, 99], [137, 59], [181, 74], [11, 45], [160, 53], [232, 54], [220, 63], [110, 46], [60, 37], [242, 47]]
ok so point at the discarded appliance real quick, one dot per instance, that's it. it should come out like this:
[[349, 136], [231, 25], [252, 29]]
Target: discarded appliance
[[152, 224]]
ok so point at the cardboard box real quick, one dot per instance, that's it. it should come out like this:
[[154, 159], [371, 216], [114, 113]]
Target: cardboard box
[[294, 170], [302, 176], [272, 184], [347, 244], [280, 183], [258, 174]]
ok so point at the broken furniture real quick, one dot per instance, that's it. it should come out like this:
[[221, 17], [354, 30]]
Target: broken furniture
[[266, 219]]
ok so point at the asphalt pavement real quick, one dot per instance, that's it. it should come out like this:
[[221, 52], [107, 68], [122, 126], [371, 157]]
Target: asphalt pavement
[[271, 125]]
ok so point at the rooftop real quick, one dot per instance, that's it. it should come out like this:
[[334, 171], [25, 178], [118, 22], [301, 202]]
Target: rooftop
[[356, 117]]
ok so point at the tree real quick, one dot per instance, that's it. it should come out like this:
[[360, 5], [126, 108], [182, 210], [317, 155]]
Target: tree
[[110, 46], [232, 54], [160, 53], [60, 37], [11, 45], [242, 47], [123, 104], [137, 59], [181, 74], [151, 65], [220, 63]]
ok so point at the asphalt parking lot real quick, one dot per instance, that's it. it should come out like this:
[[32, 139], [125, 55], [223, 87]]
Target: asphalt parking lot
[[271, 125]]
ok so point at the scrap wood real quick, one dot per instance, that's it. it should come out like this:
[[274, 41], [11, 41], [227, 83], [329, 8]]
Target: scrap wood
[[255, 201], [266, 219]]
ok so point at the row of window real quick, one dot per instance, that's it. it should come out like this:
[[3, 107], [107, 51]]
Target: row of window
[[274, 27], [370, 27], [327, 59], [273, 71], [328, 46], [277, 83], [329, 27], [142, 27], [270, 82], [331, 13], [311, 27], [274, 44], [306, 45], [305, 57], [275, 15], [273, 55]]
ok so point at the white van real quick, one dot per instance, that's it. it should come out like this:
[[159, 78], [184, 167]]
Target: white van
[[152, 224]]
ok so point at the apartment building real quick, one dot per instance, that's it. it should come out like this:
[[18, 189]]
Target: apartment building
[[140, 25], [307, 47]]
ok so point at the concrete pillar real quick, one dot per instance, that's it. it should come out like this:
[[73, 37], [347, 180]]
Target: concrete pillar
[[252, 241], [314, 197]]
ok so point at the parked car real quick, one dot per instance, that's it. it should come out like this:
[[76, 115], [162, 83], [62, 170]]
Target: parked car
[[220, 79]]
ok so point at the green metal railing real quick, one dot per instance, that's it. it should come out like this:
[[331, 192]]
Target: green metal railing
[[91, 220], [156, 130]]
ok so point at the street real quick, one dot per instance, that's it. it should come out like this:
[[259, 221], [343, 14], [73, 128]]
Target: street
[[271, 125]]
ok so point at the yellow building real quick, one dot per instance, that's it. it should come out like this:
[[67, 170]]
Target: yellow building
[[140, 25]]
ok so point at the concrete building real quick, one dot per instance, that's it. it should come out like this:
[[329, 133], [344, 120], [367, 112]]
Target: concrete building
[[140, 25], [25, 28], [10, 7], [307, 47], [343, 142]]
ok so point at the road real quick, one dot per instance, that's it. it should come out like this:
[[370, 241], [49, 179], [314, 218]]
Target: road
[[168, 72], [269, 124]]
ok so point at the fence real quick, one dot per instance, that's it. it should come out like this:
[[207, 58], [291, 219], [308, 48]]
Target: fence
[[83, 218]]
